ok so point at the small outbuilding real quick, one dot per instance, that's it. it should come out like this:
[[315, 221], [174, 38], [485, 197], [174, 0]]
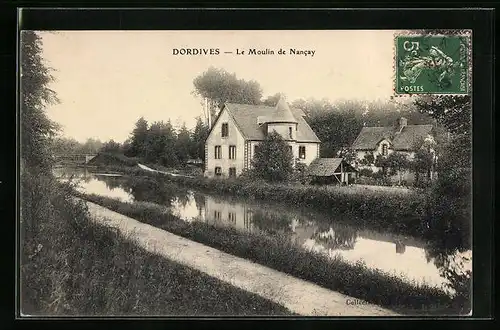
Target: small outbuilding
[[331, 171]]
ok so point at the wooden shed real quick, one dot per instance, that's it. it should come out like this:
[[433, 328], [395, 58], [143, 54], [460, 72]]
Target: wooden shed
[[331, 171]]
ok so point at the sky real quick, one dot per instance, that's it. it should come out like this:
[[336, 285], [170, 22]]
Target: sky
[[107, 80]]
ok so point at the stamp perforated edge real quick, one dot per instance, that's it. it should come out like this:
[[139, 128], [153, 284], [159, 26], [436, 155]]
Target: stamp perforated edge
[[437, 33]]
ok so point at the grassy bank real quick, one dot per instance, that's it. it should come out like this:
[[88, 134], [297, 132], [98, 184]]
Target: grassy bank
[[381, 210], [407, 212], [72, 266], [279, 253]]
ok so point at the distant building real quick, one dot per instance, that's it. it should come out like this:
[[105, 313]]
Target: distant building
[[382, 141], [240, 128]]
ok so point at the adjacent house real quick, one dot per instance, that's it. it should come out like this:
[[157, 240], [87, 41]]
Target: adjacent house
[[382, 141], [240, 128]]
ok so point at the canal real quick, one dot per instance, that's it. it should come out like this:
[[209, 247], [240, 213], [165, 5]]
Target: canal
[[410, 258]]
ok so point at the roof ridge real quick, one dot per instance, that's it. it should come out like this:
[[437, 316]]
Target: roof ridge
[[245, 117]]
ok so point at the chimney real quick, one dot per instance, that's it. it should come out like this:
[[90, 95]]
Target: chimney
[[401, 123]]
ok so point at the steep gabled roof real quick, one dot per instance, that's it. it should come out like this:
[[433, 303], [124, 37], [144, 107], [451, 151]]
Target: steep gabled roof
[[410, 135], [245, 116], [369, 137]]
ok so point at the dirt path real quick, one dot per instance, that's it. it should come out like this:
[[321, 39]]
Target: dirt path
[[297, 295], [144, 167]]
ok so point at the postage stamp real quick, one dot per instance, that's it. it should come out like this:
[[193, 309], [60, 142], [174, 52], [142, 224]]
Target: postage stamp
[[432, 64]]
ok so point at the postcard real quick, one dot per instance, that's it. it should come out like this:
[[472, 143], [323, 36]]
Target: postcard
[[245, 173]]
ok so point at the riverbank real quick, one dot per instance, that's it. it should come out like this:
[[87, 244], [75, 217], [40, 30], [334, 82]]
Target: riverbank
[[70, 265], [298, 296], [280, 253], [403, 212]]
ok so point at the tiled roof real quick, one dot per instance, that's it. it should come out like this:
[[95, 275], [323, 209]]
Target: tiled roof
[[282, 114], [324, 166], [245, 116], [369, 137]]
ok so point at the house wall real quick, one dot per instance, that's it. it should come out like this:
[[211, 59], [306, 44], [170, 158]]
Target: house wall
[[283, 130], [378, 150], [215, 138], [312, 151], [360, 154]]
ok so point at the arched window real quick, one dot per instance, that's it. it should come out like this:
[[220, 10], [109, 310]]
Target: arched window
[[290, 132]]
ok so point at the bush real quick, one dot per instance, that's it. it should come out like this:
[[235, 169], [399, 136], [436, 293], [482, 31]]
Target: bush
[[365, 172]]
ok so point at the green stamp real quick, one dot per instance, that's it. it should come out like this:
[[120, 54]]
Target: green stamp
[[432, 64]]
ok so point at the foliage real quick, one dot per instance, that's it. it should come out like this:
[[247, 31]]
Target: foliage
[[348, 154], [160, 144], [219, 86], [111, 146], [422, 163], [365, 172], [138, 138], [450, 195], [198, 138], [299, 174], [379, 210], [338, 124], [37, 129], [183, 145], [70, 265], [64, 145], [397, 162], [273, 160], [120, 277], [368, 159], [278, 252], [452, 111]]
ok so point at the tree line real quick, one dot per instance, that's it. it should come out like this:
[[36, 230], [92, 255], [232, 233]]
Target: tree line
[[159, 142]]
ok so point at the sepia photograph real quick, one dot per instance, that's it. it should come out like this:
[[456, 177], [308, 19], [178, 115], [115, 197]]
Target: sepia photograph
[[245, 173]]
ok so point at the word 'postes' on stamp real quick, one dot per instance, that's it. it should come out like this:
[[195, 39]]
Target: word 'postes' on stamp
[[432, 64]]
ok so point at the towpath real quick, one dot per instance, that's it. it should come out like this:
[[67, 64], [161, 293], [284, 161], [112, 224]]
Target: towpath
[[299, 296], [146, 168]]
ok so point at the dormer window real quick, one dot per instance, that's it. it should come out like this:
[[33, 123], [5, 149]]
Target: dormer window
[[225, 130]]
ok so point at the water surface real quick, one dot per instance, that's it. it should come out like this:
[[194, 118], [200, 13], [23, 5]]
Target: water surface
[[410, 258]]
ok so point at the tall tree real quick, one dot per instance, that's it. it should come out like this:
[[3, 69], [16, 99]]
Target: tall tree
[[218, 86], [273, 160], [198, 137], [160, 144], [37, 129], [183, 145], [37, 134], [397, 162], [138, 138], [452, 111]]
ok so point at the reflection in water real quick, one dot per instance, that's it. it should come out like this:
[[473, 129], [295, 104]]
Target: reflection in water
[[410, 258]]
